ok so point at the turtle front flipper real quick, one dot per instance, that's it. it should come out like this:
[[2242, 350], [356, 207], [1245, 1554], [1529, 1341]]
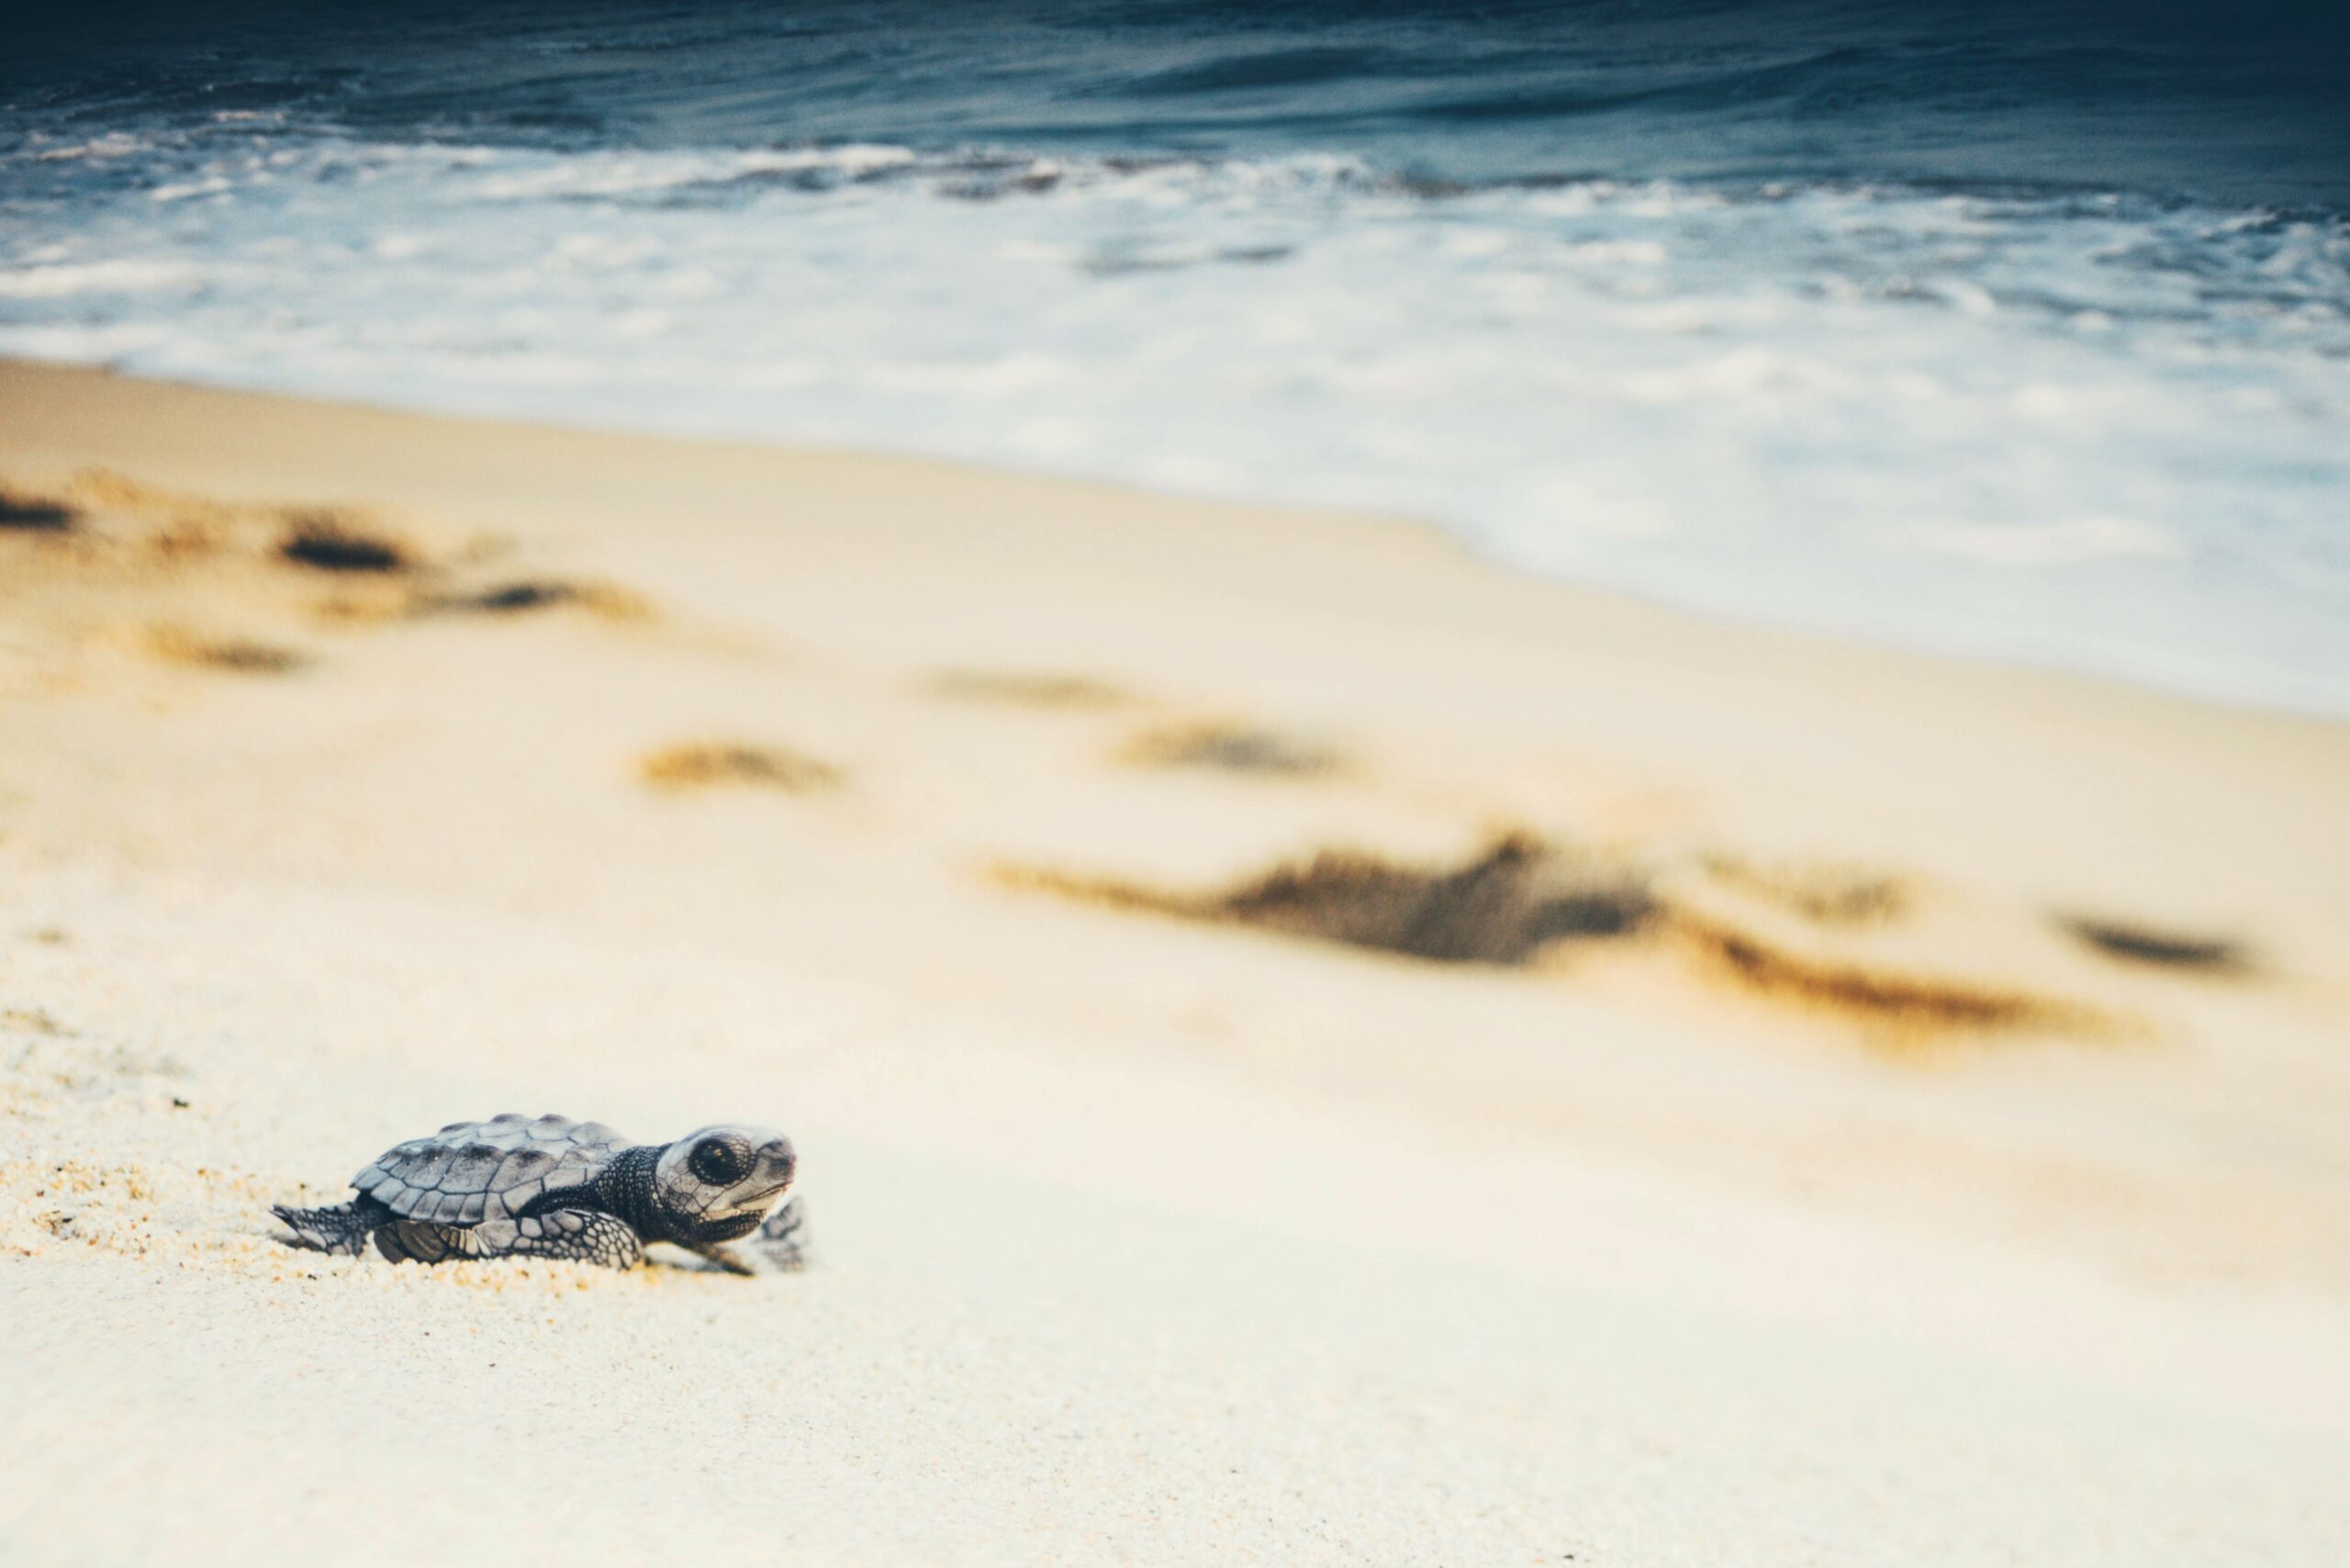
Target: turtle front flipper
[[575, 1236], [718, 1254], [339, 1229], [783, 1239]]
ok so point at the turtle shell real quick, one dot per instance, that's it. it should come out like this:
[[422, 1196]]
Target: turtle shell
[[472, 1172]]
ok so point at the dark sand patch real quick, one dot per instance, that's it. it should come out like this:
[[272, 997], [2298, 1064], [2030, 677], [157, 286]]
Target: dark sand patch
[[240, 656], [1889, 1000], [324, 537], [1228, 746], [1503, 906], [2137, 944], [34, 514], [1029, 688], [1522, 901], [334, 542], [703, 765], [523, 596], [508, 599]]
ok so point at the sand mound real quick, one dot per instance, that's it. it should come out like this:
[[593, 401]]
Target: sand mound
[[702, 765], [1029, 688], [1228, 746], [179, 644]]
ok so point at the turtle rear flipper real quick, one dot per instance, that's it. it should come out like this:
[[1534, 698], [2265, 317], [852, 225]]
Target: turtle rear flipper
[[339, 1229], [413, 1240]]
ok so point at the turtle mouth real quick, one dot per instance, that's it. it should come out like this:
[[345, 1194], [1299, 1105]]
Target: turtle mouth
[[755, 1199]]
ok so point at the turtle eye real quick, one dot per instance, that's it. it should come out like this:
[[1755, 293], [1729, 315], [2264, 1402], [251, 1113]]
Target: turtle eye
[[715, 1162]]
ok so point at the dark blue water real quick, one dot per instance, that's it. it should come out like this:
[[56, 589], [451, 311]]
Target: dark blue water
[[2012, 330], [2243, 104]]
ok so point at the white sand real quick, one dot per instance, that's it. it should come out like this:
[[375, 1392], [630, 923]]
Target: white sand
[[1139, 1241]]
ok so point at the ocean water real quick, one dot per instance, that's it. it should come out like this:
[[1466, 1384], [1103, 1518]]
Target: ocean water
[[2014, 331]]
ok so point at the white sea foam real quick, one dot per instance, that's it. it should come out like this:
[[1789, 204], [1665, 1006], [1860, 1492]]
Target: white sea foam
[[211, 184], [114, 144], [2066, 542], [2094, 431], [61, 280]]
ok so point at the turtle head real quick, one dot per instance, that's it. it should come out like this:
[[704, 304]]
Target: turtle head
[[718, 1184]]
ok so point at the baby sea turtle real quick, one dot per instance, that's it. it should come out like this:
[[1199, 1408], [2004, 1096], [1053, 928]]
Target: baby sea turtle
[[556, 1188]]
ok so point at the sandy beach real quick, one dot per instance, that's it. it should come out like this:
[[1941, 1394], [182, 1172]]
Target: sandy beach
[[1304, 1047]]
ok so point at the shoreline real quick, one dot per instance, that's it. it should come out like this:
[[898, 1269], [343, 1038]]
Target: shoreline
[[2205, 692], [1828, 1098]]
